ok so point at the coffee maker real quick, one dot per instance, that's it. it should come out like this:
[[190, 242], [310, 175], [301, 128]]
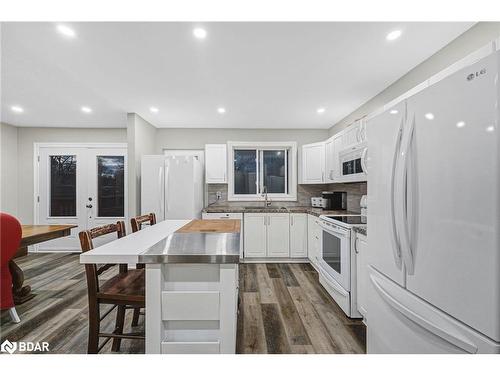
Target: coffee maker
[[334, 200]]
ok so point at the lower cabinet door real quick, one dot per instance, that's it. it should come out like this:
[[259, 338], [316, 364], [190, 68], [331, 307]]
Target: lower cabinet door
[[278, 235], [254, 234], [298, 235]]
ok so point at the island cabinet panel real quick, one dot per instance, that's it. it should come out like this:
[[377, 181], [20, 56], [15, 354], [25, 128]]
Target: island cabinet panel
[[191, 308], [190, 347], [187, 305]]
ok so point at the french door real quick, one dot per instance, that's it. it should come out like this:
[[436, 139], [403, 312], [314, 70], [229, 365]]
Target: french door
[[80, 185]]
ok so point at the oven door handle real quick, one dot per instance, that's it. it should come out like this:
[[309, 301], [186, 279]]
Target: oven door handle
[[333, 283]]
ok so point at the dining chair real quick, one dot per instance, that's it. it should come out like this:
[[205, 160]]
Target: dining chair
[[136, 224], [10, 239], [125, 290]]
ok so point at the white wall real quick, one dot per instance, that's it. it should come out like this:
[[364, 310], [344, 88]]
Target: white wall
[[473, 39], [197, 138], [141, 137], [9, 171], [28, 136]]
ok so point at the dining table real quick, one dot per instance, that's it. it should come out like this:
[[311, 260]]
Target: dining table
[[32, 235]]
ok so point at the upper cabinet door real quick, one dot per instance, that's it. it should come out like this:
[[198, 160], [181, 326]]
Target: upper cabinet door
[[313, 163], [330, 166], [351, 135], [215, 164], [278, 235], [452, 193]]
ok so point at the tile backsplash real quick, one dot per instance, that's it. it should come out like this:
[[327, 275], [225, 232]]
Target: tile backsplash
[[305, 192]]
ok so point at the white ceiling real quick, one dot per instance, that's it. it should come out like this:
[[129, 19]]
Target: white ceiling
[[266, 75]]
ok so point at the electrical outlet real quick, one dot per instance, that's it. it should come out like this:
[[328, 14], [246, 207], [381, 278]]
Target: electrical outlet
[[218, 195]]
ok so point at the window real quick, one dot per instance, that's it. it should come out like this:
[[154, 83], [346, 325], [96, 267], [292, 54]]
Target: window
[[264, 167], [111, 186], [62, 185]]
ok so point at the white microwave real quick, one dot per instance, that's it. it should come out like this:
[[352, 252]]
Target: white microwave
[[353, 162]]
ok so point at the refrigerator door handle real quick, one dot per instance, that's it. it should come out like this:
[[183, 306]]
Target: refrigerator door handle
[[363, 160], [160, 191], [394, 238], [167, 180], [433, 327], [404, 236]]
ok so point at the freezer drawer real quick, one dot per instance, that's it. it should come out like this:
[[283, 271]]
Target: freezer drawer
[[400, 322]]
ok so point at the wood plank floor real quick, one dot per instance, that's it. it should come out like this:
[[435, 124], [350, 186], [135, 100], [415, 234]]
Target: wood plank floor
[[283, 309]]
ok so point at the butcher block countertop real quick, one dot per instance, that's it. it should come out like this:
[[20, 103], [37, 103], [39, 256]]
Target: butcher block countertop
[[211, 226]]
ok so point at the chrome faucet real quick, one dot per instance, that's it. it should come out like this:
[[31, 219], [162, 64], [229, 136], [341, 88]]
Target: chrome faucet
[[267, 201]]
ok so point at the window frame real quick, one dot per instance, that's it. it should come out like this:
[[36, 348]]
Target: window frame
[[290, 175]]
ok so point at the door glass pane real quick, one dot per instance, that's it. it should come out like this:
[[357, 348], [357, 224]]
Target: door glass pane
[[62, 185], [274, 171], [245, 172], [331, 251], [110, 186]]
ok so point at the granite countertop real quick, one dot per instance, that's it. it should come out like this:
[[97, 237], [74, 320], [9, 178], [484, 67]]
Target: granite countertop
[[275, 209], [361, 229]]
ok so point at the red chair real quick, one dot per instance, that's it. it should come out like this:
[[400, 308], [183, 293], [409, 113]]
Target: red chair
[[10, 239]]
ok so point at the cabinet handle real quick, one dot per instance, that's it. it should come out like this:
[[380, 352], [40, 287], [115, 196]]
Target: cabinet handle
[[291, 220], [356, 246], [323, 176]]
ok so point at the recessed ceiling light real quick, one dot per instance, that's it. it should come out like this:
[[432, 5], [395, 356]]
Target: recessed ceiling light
[[393, 111], [17, 109], [221, 110], [66, 31], [154, 109], [321, 110], [460, 124], [490, 128], [200, 33], [393, 35], [429, 116], [86, 109]]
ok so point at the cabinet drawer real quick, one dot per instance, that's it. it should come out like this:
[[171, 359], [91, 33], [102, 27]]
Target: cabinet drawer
[[190, 347], [190, 305]]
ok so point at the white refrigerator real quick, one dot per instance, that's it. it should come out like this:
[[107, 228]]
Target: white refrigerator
[[172, 186], [434, 216]]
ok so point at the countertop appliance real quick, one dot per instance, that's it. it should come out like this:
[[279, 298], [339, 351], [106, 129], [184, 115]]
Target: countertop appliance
[[434, 257], [337, 262], [318, 202], [334, 200], [172, 186]]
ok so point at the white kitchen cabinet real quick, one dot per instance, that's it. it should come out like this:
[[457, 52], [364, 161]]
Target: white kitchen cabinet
[[255, 235], [330, 160], [266, 235], [313, 163], [351, 135], [215, 164], [298, 235], [278, 235], [314, 235], [360, 248]]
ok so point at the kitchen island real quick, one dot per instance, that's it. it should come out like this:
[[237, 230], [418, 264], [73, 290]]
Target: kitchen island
[[191, 283]]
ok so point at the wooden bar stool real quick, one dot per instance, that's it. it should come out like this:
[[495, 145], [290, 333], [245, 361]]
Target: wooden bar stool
[[125, 290], [136, 224]]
